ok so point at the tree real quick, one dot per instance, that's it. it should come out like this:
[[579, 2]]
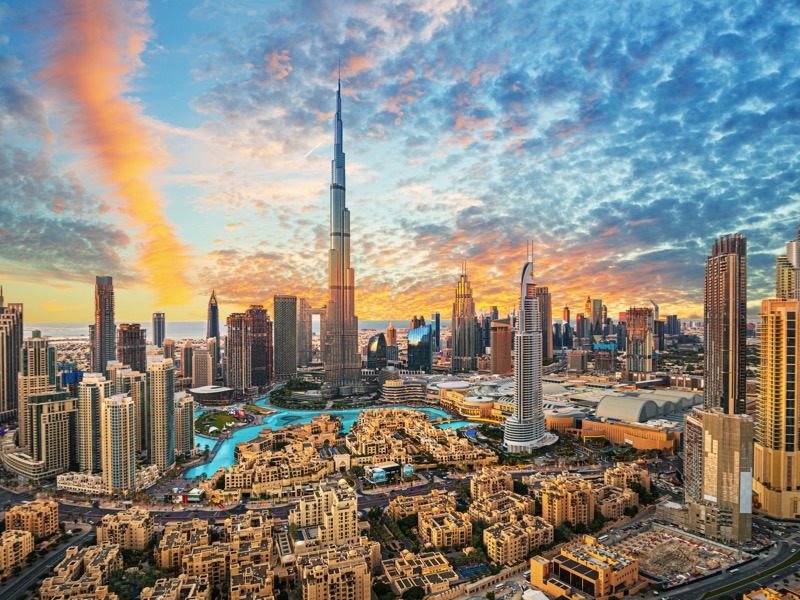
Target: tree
[[414, 593], [490, 595], [520, 488], [357, 471]]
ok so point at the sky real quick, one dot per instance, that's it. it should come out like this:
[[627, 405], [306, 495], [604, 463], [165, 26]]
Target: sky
[[183, 146]]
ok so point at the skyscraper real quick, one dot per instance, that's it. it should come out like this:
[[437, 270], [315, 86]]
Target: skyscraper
[[391, 335], [341, 354], [134, 384], [54, 432], [159, 328], [416, 321], [187, 351], [464, 326], [376, 352], [132, 346], [776, 461], [162, 414], [546, 314], [37, 375], [639, 340], [104, 339], [787, 279], [168, 347], [420, 349], [305, 354], [725, 324], [10, 344], [285, 308], [436, 322], [117, 439], [184, 425], [565, 315], [239, 353], [501, 361], [92, 390], [261, 344], [212, 327], [524, 430], [202, 367]]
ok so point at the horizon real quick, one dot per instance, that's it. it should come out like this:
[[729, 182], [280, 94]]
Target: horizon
[[183, 149]]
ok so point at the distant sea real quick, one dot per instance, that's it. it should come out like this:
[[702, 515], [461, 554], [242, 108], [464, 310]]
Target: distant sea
[[182, 330]]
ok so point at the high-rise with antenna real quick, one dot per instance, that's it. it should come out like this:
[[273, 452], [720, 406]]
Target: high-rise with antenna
[[525, 430], [464, 325]]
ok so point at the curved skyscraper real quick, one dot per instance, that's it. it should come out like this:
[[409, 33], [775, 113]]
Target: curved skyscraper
[[212, 326], [525, 430], [341, 354]]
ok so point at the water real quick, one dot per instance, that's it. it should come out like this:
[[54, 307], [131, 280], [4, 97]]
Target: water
[[182, 330], [224, 456]]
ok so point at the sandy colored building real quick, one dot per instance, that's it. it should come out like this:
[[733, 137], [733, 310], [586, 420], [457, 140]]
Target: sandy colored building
[[331, 511], [624, 474], [83, 571], [338, 574], [445, 528], [641, 437], [401, 507], [131, 530], [40, 517], [488, 481], [179, 539], [248, 582], [611, 501], [211, 561], [15, 546], [586, 569], [509, 543], [181, 587], [567, 499], [501, 507], [429, 570], [771, 594]]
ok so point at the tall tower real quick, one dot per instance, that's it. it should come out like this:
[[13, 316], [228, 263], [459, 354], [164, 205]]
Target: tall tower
[[10, 345], [304, 333], [639, 340], [285, 308], [118, 442], [37, 375], [159, 328], [524, 430], [162, 414], [725, 324], [135, 385], [464, 327], [436, 322], [565, 316], [261, 344], [239, 353], [501, 361], [341, 355], [92, 391], [132, 346], [546, 315], [212, 326], [391, 335], [104, 340]]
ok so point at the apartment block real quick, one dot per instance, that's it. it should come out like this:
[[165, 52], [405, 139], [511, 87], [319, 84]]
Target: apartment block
[[15, 546], [331, 511], [430, 570], [248, 582], [401, 507], [509, 543], [611, 501], [181, 587], [445, 528], [179, 539], [487, 482], [40, 517], [211, 561], [83, 571], [624, 474], [131, 530], [567, 499], [502, 507], [339, 574]]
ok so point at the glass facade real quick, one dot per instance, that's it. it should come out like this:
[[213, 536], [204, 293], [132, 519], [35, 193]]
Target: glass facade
[[420, 349], [376, 352]]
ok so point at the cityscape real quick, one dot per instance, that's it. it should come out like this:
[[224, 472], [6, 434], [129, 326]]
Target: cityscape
[[503, 423]]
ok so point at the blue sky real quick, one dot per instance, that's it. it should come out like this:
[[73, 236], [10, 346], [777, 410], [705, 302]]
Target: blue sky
[[183, 146]]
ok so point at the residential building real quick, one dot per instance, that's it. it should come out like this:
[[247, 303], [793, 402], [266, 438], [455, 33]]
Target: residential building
[[567, 499], [187, 352], [162, 413], [92, 391], [104, 337], [118, 444], [135, 385], [428, 570], [132, 346], [239, 353], [37, 375], [40, 517], [401, 507], [181, 587], [624, 474], [202, 367], [501, 507], [509, 543], [500, 343], [546, 316], [639, 340], [168, 349], [445, 528], [285, 308], [178, 539], [211, 561], [11, 327], [332, 511], [391, 335], [487, 482], [184, 425], [305, 335], [338, 574], [436, 324], [83, 571], [212, 329], [261, 346], [130, 530], [15, 546], [159, 328]]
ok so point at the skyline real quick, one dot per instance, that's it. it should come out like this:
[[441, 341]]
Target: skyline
[[624, 148]]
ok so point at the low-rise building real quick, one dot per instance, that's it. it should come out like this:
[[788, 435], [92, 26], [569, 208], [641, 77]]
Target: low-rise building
[[567, 499], [131, 529], [82, 572], [612, 501], [501, 507], [624, 474], [429, 570], [179, 539], [211, 561], [248, 582], [15, 546], [181, 587], [586, 569], [509, 543], [401, 507], [40, 517], [772, 594], [336, 574], [488, 481], [445, 528]]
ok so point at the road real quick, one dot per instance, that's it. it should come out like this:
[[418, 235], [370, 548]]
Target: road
[[30, 575]]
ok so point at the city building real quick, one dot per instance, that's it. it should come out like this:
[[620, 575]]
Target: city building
[[502, 362], [428, 570], [586, 569], [565, 315], [338, 574], [159, 328], [37, 375], [40, 517], [83, 572], [624, 474], [239, 353], [546, 316], [340, 353], [776, 471], [416, 321], [420, 349], [162, 414], [135, 385], [376, 352], [577, 361], [130, 530], [718, 474], [436, 324], [212, 328], [104, 337], [285, 308], [725, 324], [15, 546], [187, 353], [261, 345], [487, 482], [168, 349], [639, 340], [501, 507], [11, 326], [179, 538], [181, 587], [605, 357], [92, 391], [524, 430], [118, 444], [401, 507], [391, 335], [202, 367], [184, 425], [567, 499], [305, 336], [132, 346], [508, 543], [466, 340], [445, 528], [331, 511]]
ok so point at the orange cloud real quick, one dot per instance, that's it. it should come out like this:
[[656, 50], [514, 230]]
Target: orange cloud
[[278, 64], [92, 59]]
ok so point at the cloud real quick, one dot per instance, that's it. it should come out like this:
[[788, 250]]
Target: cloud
[[92, 59]]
